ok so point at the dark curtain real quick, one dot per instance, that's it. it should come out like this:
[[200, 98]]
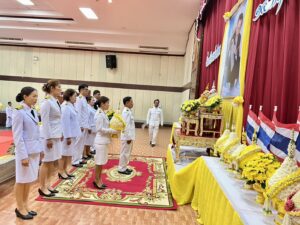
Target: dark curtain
[[272, 74]]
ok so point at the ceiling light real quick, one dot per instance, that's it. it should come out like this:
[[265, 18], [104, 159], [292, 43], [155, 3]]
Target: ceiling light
[[109, 1], [25, 2], [89, 13]]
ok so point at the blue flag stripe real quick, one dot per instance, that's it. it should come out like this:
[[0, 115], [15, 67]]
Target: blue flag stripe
[[264, 138], [280, 142]]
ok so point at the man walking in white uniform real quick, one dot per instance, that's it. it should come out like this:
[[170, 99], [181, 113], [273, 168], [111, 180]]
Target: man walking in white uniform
[[9, 111], [127, 136], [154, 119]]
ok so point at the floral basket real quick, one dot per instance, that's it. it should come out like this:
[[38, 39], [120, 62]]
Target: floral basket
[[117, 123], [190, 106], [258, 170]]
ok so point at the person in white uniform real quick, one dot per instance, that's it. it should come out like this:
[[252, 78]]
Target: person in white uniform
[[127, 136], [81, 106], [71, 130], [52, 135], [154, 119], [9, 112], [91, 135], [96, 97], [28, 149], [102, 140]]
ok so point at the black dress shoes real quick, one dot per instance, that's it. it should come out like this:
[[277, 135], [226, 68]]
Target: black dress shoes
[[23, 217], [46, 195], [102, 187], [33, 213], [129, 170], [126, 172], [83, 162], [61, 177], [53, 191], [70, 175], [77, 165]]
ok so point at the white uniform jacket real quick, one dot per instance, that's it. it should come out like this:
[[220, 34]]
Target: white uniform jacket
[[26, 132], [155, 117], [51, 118], [81, 106], [70, 123], [103, 135], [92, 121], [129, 132]]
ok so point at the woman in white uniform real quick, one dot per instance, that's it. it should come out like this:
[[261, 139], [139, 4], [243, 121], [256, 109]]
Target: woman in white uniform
[[92, 133], [52, 135], [102, 140], [71, 130], [28, 149]]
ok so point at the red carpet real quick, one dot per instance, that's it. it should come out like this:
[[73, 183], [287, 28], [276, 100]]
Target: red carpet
[[145, 188], [6, 139]]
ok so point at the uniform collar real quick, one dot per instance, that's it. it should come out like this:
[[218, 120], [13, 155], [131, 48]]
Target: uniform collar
[[26, 107], [127, 108]]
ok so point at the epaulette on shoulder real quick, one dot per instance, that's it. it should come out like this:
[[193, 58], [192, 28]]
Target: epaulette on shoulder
[[47, 97], [19, 107]]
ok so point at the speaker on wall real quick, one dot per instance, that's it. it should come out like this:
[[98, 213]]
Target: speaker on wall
[[111, 61]]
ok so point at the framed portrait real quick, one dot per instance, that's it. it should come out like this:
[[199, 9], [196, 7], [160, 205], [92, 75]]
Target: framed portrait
[[234, 54]]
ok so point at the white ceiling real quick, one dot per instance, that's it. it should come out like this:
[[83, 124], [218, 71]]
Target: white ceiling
[[123, 25]]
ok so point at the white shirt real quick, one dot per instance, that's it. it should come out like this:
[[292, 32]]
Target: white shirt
[[129, 132], [92, 121], [155, 117], [26, 132], [81, 106], [9, 111], [70, 121], [51, 118], [103, 135]]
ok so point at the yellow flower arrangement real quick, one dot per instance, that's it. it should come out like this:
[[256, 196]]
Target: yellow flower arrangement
[[238, 100], [260, 168], [190, 105], [110, 113], [117, 122], [1, 106], [213, 101], [287, 181]]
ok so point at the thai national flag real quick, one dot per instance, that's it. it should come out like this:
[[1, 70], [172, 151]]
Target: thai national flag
[[252, 124], [281, 139], [265, 133]]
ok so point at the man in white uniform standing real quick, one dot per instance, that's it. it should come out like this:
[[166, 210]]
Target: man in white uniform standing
[[9, 111], [81, 106], [154, 119], [127, 136]]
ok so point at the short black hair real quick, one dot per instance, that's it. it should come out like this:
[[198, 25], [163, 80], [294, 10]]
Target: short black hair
[[126, 99], [9, 103], [96, 92], [102, 100], [68, 94], [82, 86], [156, 100]]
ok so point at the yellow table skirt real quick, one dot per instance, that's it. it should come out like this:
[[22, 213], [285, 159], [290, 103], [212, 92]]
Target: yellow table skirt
[[195, 184]]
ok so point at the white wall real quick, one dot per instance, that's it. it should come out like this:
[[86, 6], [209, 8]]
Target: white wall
[[90, 66]]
